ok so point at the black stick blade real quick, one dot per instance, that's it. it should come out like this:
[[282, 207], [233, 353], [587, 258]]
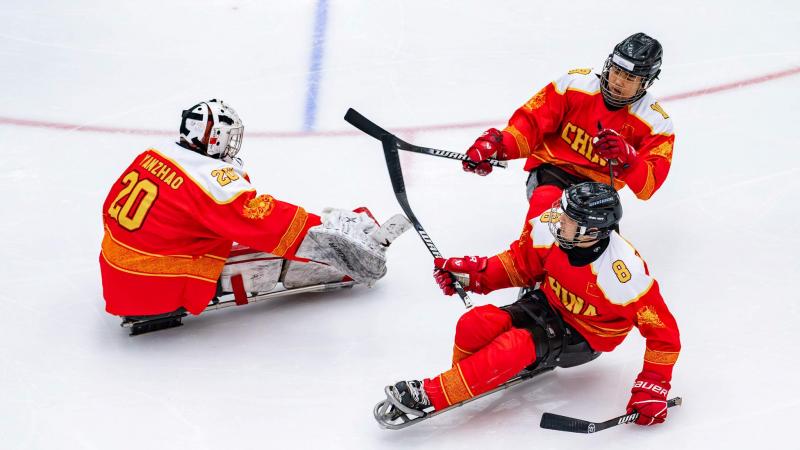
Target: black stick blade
[[563, 423], [369, 127]]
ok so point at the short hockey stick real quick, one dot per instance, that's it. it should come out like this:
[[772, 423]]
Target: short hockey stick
[[390, 146], [563, 423], [369, 127]]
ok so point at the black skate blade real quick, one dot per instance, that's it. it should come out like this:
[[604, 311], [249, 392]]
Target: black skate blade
[[144, 324]]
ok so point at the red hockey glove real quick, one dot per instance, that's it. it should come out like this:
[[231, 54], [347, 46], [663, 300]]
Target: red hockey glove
[[489, 145], [612, 146], [466, 268], [649, 398]]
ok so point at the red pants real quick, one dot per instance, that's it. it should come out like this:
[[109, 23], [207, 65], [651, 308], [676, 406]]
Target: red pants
[[541, 200], [488, 351]]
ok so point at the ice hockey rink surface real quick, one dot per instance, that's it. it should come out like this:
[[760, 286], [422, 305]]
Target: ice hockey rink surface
[[87, 85]]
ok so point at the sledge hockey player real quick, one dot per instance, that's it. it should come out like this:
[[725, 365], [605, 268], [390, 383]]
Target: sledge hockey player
[[173, 215], [571, 128], [594, 289]]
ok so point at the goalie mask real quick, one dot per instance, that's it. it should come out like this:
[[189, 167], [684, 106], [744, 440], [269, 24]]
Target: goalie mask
[[630, 70], [213, 129], [594, 206]]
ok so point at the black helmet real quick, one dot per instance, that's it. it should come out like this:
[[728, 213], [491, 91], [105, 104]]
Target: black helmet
[[638, 55], [596, 208]]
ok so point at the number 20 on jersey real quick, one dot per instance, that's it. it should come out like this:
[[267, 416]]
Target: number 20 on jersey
[[133, 202]]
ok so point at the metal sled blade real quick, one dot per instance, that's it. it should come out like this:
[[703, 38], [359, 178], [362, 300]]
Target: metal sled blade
[[395, 417], [147, 324]]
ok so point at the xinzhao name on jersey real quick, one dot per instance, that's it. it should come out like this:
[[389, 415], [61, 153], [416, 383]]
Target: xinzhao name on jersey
[[162, 171], [572, 302], [581, 142]]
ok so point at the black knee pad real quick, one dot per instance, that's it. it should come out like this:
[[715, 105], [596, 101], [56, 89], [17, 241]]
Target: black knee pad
[[557, 343]]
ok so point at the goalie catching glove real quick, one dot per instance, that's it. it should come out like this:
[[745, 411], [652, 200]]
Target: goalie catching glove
[[353, 242]]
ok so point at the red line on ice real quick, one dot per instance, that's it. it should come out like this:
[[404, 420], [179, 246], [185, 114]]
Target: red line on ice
[[401, 130]]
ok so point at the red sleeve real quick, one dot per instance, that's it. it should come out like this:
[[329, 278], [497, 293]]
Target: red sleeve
[[656, 324], [519, 266], [528, 125], [260, 222], [655, 159]]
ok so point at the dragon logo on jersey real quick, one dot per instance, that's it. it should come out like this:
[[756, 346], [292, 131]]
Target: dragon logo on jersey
[[664, 150], [648, 316], [258, 207], [525, 236], [536, 101]]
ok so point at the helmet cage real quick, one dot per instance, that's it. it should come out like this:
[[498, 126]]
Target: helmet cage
[[645, 80], [225, 141]]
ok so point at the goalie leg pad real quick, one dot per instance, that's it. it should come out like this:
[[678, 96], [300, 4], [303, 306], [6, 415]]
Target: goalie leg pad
[[300, 274], [260, 271]]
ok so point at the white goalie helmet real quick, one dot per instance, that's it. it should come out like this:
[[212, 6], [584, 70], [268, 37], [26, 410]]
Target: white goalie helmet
[[213, 128]]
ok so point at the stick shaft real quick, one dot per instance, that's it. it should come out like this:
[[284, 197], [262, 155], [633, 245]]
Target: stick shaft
[[398, 185], [369, 127]]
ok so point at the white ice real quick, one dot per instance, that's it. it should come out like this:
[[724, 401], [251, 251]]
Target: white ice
[[304, 372]]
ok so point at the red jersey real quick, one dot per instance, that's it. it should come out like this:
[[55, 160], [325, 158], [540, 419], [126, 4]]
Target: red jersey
[[602, 300], [557, 125], [170, 221]]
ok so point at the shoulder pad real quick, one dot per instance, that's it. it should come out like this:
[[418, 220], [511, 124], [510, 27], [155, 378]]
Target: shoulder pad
[[582, 80], [649, 111], [221, 181], [621, 273], [541, 237]]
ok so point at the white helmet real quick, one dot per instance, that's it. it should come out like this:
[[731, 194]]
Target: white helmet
[[212, 128]]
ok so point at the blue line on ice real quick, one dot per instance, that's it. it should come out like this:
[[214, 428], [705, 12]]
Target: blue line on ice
[[315, 70]]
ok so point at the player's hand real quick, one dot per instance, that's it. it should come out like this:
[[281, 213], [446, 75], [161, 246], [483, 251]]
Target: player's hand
[[488, 145], [465, 267], [649, 398], [612, 146]]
